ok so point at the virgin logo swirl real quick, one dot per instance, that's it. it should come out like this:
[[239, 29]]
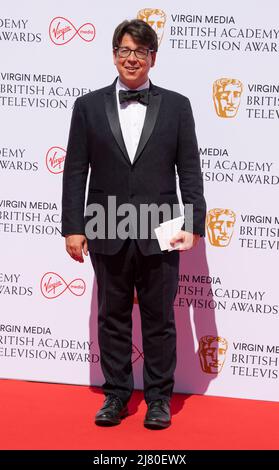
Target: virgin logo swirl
[[55, 159], [52, 286], [62, 31]]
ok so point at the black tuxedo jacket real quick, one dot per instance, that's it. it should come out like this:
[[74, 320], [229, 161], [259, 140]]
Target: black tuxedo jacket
[[167, 141]]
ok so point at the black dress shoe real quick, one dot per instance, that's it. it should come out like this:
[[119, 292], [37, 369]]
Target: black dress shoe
[[158, 415], [112, 411]]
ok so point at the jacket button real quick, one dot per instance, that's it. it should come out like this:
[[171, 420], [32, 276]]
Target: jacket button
[[132, 195]]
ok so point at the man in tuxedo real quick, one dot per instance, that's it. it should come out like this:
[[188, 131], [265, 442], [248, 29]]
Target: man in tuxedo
[[132, 135]]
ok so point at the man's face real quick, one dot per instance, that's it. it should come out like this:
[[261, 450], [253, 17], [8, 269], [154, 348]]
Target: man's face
[[229, 100], [221, 230], [214, 355], [133, 72]]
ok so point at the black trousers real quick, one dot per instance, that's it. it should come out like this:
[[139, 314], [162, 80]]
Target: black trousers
[[156, 279]]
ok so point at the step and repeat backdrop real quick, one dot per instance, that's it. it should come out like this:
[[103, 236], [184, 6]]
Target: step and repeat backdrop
[[219, 54]]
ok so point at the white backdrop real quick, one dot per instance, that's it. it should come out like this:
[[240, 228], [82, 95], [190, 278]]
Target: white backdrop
[[53, 52]]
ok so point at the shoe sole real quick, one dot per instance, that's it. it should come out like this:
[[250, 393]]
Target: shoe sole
[[156, 426], [110, 422]]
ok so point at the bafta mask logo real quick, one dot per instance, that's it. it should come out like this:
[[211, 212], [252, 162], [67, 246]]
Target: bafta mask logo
[[212, 353], [226, 96], [220, 224], [156, 18]]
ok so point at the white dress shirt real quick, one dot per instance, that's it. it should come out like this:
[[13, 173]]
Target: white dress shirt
[[131, 116]]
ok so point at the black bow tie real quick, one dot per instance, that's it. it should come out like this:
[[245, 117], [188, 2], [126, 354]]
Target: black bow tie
[[142, 96]]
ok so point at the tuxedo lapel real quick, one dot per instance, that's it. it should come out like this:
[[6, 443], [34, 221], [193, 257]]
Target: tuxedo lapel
[[149, 122], [150, 119], [113, 118]]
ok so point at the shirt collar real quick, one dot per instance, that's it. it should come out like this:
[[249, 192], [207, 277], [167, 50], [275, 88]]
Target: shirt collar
[[121, 86]]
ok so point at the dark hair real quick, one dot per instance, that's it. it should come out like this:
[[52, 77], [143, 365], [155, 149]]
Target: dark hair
[[140, 31]]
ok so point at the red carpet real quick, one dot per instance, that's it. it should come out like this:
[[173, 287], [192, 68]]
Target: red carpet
[[50, 416]]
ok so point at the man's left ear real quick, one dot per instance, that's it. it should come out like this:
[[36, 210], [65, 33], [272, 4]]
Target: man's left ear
[[153, 58]]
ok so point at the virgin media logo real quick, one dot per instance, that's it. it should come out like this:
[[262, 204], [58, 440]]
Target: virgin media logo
[[52, 286], [136, 354], [62, 31], [55, 159]]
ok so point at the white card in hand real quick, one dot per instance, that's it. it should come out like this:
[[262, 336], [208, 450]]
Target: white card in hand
[[167, 230], [161, 239]]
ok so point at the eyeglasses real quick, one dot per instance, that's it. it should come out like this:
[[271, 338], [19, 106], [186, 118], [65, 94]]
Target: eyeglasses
[[140, 53]]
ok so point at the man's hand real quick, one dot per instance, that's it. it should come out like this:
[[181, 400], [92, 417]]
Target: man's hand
[[185, 240], [76, 245]]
